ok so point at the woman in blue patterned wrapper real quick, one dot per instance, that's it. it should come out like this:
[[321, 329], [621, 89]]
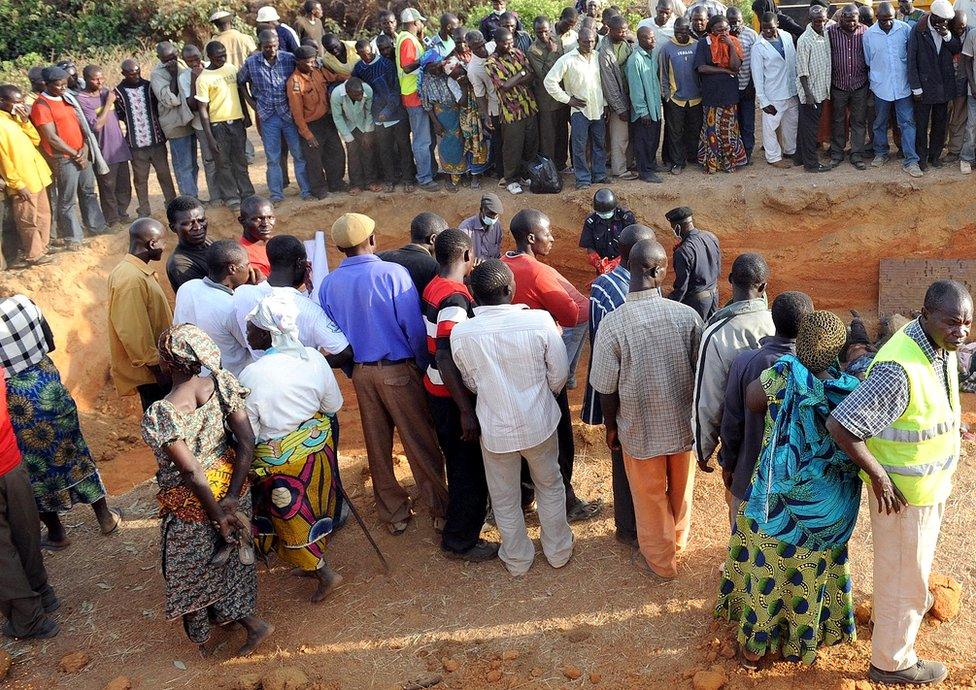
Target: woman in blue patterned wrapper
[[787, 580]]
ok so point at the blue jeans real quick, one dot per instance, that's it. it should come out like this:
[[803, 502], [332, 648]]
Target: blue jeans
[[76, 192], [272, 129], [747, 119], [582, 131], [573, 340], [184, 154], [420, 129], [905, 114]]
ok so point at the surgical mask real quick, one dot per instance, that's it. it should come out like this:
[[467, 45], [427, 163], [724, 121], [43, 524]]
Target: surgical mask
[[498, 13], [606, 215], [488, 222]]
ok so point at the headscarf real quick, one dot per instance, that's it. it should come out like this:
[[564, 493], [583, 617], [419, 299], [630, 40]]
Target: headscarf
[[187, 348], [819, 340], [278, 314], [721, 56]]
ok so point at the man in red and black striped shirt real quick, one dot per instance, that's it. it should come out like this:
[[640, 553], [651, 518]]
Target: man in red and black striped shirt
[[447, 302]]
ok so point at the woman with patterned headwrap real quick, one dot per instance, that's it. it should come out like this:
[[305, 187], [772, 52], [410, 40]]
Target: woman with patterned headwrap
[[292, 406], [787, 581], [203, 444]]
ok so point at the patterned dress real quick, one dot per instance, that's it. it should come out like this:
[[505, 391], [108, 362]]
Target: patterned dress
[[203, 594]]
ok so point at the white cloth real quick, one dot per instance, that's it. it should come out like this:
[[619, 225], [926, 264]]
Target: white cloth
[[210, 307], [315, 328], [317, 256], [774, 75], [287, 390], [580, 77], [481, 83], [278, 315], [503, 475], [779, 130], [570, 40], [904, 548], [513, 358]]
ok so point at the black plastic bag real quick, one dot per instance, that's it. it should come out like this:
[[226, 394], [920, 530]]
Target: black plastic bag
[[543, 176]]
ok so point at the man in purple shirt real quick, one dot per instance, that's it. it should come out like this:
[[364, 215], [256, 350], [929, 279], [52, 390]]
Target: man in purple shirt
[[849, 86], [485, 229], [376, 305]]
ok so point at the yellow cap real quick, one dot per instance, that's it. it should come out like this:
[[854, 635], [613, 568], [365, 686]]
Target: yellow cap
[[352, 229]]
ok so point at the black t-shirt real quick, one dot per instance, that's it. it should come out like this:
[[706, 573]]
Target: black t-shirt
[[187, 263], [602, 235], [421, 266], [717, 90]]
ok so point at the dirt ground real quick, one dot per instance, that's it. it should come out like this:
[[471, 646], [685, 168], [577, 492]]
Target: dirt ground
[[474, 625]]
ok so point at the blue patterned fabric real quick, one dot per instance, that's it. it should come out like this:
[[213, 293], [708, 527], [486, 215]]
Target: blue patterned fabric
[[805, 491]]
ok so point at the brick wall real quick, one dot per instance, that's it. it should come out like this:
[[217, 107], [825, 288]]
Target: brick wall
[[902, 282]]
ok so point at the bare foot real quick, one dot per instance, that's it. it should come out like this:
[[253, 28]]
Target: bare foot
[[328, 581], [257, 630]]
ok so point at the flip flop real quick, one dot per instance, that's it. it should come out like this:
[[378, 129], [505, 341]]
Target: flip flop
[[117, 512], [49, 545], [584, 510]]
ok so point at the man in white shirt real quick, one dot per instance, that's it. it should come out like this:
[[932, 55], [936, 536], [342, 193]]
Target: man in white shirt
[[581, 88], [774, 74], [514, 360], [662, 23], [290, 272], [484, 91], [208, 303]]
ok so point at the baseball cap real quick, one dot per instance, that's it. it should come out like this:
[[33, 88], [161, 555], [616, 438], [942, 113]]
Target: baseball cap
[[352, 229], [411, 15], [220, 14], [268, 14]]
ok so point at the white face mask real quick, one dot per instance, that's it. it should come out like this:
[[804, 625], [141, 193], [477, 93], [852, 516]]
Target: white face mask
[[488, 222], [498, 13], [606, 215]]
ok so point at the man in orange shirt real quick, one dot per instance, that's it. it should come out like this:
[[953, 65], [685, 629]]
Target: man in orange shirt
[[258, 220], [540, 286], [308, 97]]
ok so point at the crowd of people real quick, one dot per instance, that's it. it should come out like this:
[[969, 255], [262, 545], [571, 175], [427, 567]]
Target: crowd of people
[[590, 94]]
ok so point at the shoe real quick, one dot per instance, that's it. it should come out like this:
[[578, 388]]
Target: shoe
[[514, 188], [653, 178], [502, 183], [584, 510], [859, 164], [352, 191], [431, 186], [834, 162], [914, 170], [582, 185], [568, 170], [47, 630], [475, 182], [965, 167], [677, 169], [935, 162], [602, 180], [439, 524], [644, 568], [629, 175], [18, 265], [409, 188], [626, 539], [879, 161], [321, 195], [374, 187], [951, 158], [782, 163], [397, 528], [820, 168], [72, 247], [922, 673], [479, 553]]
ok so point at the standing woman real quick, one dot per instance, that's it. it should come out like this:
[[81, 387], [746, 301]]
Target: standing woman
[[292, 406], [441, 96], [45, 421], [717, 61], [203, 444], [787, 579]]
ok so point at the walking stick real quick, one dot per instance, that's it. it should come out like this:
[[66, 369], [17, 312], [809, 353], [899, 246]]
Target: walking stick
[[369, 537]]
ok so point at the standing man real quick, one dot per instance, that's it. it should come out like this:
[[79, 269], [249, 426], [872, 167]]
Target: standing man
[[886, 55], [602, 228], [958, 110], [697, 261], [352, 112], [138, 313], [175, 117], [681, 94], [485, 94], [553, 115], [643, 359], [813, 74], [901, 427], [512, 23], [308, 96], [511, 75], [575, 80], [520, 385], [137, 106], [417, 256], [967, 156], [446, 304], [377, 307], [188, 221], [747, 91], [115, 186], [26, 174], [737, 326], [644, 82], [774, 74], [224, 118], [492, 21], [931, 76], [662, 23], [268, 19], [485, 228], [237, 45], [409, 48], [194, 68], [607, 293], [308, 24], [265, 75], [613, 55], [849, 86]]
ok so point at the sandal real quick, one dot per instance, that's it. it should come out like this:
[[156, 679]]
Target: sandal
[[117, 512], [584, 510], [397, 528], [49, 545], [745, 662]]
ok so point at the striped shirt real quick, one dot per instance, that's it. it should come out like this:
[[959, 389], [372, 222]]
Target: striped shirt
[[849, 70], [747, 38], [446, 303], [607, 293]]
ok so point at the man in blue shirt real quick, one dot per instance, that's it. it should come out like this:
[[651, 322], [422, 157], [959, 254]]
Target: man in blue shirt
[[376, 305], [886, 54], [265, 74]]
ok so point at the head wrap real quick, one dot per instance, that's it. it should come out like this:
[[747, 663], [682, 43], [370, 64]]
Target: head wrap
[[820, 338], [278, 314], [187, 348]]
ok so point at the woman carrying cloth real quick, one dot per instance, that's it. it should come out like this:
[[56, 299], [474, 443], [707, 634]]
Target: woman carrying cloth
[[203, 444], [441, 95], [292, 407], [787, 581], [717, 61]]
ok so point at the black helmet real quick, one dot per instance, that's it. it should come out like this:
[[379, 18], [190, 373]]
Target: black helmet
[[604, 200]]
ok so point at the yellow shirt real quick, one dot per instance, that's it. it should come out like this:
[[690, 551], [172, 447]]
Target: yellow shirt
[[342, 68], [21, 164], [218, 89], [138, 312]]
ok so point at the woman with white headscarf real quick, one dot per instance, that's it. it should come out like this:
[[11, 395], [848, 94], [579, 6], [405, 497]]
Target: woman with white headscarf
[[292, 406]]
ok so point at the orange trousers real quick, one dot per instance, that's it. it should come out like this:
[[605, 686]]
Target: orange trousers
[[662, 489]]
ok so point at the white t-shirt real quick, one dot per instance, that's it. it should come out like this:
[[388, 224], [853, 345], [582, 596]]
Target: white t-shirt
[[315, 328], [287, 390], [210, 307]]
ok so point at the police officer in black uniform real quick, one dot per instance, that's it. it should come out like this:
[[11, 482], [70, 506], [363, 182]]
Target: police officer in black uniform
[[697, 262], [601, 230]]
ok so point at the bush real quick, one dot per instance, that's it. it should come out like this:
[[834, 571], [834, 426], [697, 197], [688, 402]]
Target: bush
[[50, 29], [189, 20], [528, 10]]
